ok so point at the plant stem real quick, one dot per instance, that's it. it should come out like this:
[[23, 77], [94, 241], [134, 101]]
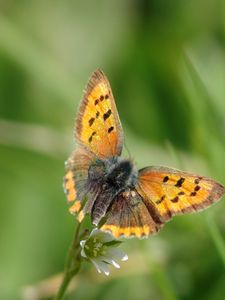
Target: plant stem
[[72, 265]]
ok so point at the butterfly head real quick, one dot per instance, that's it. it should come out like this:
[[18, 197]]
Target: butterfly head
[[121, 174]]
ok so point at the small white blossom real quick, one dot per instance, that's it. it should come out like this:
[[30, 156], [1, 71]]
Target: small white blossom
[[101, 249]]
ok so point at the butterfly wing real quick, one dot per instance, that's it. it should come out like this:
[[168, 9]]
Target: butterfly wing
[[160, 194], [76, 177], [168, 192], [98, 126], [128, 217]]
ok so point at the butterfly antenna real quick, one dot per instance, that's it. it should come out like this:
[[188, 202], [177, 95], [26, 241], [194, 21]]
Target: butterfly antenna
[[127, 149]]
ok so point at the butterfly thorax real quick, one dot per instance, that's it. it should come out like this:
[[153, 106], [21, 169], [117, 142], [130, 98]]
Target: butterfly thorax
[[106, 179], [112, 173]]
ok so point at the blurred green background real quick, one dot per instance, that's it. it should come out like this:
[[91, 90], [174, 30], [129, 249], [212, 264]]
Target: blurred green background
[[166, 64]]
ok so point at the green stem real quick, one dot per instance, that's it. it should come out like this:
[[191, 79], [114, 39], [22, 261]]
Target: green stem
[[72, 266]]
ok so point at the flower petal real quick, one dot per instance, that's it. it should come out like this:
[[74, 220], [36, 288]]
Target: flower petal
[[82, 243], [83, 253], [115, 264], [96, 266], [103, 237], [102, 266], [125, 257], [112, 262], [117, 254]]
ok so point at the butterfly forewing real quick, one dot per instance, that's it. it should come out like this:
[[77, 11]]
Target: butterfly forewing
[[171, 192], [98, 126]]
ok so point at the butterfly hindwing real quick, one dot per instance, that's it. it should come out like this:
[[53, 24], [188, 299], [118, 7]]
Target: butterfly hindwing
[[171, 192], [98, 126], [129, 217], [76, 177]]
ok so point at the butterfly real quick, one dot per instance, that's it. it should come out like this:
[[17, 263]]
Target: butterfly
[[120, 198]]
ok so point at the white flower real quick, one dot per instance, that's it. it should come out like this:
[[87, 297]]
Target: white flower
[[101, 249]]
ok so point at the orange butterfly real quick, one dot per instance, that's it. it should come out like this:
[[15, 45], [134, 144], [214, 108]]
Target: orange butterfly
[[119, 198]]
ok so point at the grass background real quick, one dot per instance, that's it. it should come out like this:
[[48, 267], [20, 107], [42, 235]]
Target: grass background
[[165, 61]]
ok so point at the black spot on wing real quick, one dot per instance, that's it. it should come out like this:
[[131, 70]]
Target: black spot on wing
[[166, 178], [91, 136], [180, 182], [181, 193], [91, 121], [160, 200], [110, 129], [107, 114], [197, 188], [197, 180], [193, 194], [175, 200]]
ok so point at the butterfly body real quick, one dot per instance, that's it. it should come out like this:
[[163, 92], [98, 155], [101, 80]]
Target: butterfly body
[[101, 183], [106, 179]]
